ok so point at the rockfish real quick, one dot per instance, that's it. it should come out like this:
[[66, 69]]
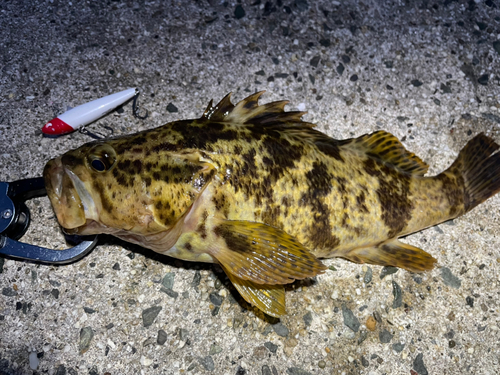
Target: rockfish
[[260, 192]]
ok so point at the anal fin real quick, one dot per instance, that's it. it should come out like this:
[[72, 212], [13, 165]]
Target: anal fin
[[394, 253], [268, 298]]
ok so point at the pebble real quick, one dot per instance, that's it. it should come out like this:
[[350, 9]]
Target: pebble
[[470, 301], [340, 68], [302, 5], [368, 275], [150, 314], [385, 336], [169, 292], [388, 270], [239, 12], [296, 371], [215, 349], [145, 361], [315, 61], [307, 319], [34, 362], [364, 361], [196, 279], [207, 362], [398, 295], [168, 280], [398, 347], [496, 46], [162, 337], [271, 347], [9, 292], [350, 319], [419, 366], [86, 335], [280, 329], [61, 370], [416, 83], [88, 310], [172, 108], [216, 299], [371, 323], [483, 79], [321, 364]]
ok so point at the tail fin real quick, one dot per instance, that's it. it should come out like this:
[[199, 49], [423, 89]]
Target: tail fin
[[479, 165]]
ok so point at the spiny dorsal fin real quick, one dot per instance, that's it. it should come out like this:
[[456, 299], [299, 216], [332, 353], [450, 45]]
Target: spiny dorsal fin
[[387, 148], [249, 111]]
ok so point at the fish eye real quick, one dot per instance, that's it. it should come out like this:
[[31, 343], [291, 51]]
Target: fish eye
[[101, 158]]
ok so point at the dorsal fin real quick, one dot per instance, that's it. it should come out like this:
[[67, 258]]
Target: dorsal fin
[[248, 111], [387, 148]]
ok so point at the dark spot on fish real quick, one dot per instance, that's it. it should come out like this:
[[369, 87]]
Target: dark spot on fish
[[267, 161], [165, 146], [121, 179], [71, 160], [138, 166], [393, 193], [159, 205], [331, 149], [188, 247], [319, 234], [148, 166], [453, 191], [360, 200], [202, 230], [237, 150], [137, 150], [156, 176], [285, 201], [236, 242], [320, 180], [271, 216], [124, 165], [138, 141], [147, 181]]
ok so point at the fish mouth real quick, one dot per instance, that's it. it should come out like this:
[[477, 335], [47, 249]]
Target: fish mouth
[[71, 201]]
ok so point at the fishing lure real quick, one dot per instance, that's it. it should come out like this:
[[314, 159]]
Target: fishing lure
[[78, 117]]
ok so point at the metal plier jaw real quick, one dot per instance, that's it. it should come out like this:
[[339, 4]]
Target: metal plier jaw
[[15, 219]]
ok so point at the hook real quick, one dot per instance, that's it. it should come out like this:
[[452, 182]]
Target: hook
[[135, 109]]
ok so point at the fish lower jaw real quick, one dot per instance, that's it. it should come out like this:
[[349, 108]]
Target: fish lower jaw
[[90, 227]]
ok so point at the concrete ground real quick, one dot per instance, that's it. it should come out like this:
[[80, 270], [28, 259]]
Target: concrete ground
[[427, 71]]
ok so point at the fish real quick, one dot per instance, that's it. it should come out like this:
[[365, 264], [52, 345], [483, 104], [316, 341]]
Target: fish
[[260, 192]]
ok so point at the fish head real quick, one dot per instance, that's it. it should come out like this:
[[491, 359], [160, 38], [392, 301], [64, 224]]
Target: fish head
[[125, 188]]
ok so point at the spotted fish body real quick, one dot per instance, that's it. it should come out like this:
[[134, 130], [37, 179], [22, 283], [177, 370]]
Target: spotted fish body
[[263, 194]]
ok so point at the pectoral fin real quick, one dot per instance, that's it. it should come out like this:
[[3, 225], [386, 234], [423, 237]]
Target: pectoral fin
[[268, 298], [394, 253], [262, 254]]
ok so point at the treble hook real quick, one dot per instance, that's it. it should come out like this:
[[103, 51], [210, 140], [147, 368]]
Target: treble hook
[[135, 109]]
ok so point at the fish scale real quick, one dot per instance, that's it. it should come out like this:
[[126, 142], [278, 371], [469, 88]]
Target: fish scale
[[262, 193]]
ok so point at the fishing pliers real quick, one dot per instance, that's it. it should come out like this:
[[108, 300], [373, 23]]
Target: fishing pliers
[[15, 219]]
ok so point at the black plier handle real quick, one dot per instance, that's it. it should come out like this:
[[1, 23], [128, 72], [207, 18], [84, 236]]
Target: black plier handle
[[14, 221]]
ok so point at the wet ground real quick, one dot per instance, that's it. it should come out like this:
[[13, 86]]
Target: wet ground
[[426, 71]]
